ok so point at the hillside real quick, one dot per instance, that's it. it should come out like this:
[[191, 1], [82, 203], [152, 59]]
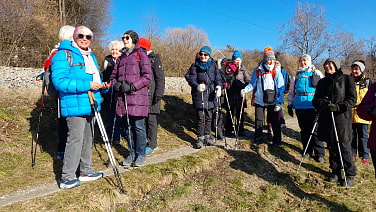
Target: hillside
[[176, 177]]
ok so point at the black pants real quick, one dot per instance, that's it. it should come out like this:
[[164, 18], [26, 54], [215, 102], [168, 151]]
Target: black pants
[[151, 130], [204, 120], [235, 112], [306, 120], [63, 134], [274, 120]]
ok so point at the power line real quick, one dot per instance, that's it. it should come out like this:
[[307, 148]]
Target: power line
[[227, 16]]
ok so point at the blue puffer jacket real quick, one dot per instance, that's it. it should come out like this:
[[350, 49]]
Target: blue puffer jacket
[[73, 83], [211, 78]]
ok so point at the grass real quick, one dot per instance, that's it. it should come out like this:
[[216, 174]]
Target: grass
[[213, 179]]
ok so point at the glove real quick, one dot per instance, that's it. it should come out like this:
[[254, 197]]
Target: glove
[[125, 87], [290, 110], [322, 102], [117, 86], [201, 87], [243, 92], [333, 107], [225, 85], [277, 107], [218, 91], [372, 112]]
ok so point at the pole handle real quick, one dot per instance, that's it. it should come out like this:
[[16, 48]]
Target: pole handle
[[91, 97]]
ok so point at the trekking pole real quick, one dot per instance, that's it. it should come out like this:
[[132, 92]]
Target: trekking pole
[[339, 150], [203, 114], [216, 121], [34, 148], [114, 123], [232, 120], [130, 143], [241, 113], [102, 129], [309, 139]]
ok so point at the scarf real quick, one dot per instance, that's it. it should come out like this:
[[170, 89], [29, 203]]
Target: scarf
[[90, 66], [205, 65]]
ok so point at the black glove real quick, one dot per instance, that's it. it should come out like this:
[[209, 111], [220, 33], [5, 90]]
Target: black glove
[[322, 103], [332, 107], [118, 85], [125, 87], [372, 112], [290, 110], [156, 99]]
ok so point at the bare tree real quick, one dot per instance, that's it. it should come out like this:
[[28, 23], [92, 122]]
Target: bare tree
[[180, 49], [307, 31]]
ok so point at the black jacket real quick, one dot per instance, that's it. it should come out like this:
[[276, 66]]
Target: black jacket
[[339, 89], [157, 84]]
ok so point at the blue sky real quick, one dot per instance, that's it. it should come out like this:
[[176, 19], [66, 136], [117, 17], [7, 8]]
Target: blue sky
[[244, 24]]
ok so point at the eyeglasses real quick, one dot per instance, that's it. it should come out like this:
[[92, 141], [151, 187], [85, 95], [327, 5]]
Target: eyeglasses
[[125, 38], [203, 54], [80, 36]]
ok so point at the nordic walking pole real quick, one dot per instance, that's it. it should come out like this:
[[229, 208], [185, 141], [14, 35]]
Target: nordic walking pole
[[216, 121], [34, 148], [241, 113], [203, 114], [339, 149], [102, 129], [130, 142], [309, 139], [232, 120]]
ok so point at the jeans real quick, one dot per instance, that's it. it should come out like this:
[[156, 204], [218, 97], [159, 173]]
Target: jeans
[[79, 146], [136, 137], [359, 140]]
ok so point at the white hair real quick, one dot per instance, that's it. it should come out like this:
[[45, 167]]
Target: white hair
[[86, 30], [66, 32], [115, 43]]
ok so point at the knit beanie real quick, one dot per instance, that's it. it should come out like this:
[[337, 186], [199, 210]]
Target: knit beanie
[[133, 35], [309, 59], [360, 64], [269, 53], [236, 55], [207, 50], [334, 60], [145, 43]]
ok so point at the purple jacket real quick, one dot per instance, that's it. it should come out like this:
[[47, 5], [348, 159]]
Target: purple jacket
[[369, 101], [134, 68]]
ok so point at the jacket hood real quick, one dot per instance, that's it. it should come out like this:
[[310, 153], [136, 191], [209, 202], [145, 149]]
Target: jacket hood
[[336, 62]]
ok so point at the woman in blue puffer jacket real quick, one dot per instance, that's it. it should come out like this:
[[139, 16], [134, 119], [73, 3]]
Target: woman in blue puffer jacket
[[74, 81]]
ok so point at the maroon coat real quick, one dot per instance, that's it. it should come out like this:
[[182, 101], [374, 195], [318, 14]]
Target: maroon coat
[[368, 102], [134, 68]]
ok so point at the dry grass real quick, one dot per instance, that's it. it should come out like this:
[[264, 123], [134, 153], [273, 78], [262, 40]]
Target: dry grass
[[214, 179]]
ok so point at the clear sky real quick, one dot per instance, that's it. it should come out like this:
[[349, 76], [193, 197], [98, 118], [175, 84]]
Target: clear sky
[[244, 24]]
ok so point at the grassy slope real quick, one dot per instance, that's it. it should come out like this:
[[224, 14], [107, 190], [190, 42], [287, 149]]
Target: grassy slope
[[211, 180]]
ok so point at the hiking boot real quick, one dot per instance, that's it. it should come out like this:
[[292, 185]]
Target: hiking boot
[[198, 145], [365, 161], [349, 180], [209, 141], [149, 151], [91, 176], [116, 143], [241, 133], [60, 155], [67, 184], [333, 178], [140, 161], [320, 160], [307, 156], [128, 161]]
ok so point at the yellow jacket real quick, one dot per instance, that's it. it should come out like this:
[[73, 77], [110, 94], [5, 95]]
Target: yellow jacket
[[361, 89]]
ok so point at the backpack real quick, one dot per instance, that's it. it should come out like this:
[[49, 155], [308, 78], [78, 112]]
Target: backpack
[[47, 80]]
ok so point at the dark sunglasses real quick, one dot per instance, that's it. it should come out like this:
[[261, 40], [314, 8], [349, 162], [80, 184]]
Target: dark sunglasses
[[125, 38], [203, 54], [80, 36]]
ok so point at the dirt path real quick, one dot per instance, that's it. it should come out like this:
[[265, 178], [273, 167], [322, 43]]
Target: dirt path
[[50, 188]]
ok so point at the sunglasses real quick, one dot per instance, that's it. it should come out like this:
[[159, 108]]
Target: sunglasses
[[80, 36], [125, 38], [203, 54]]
